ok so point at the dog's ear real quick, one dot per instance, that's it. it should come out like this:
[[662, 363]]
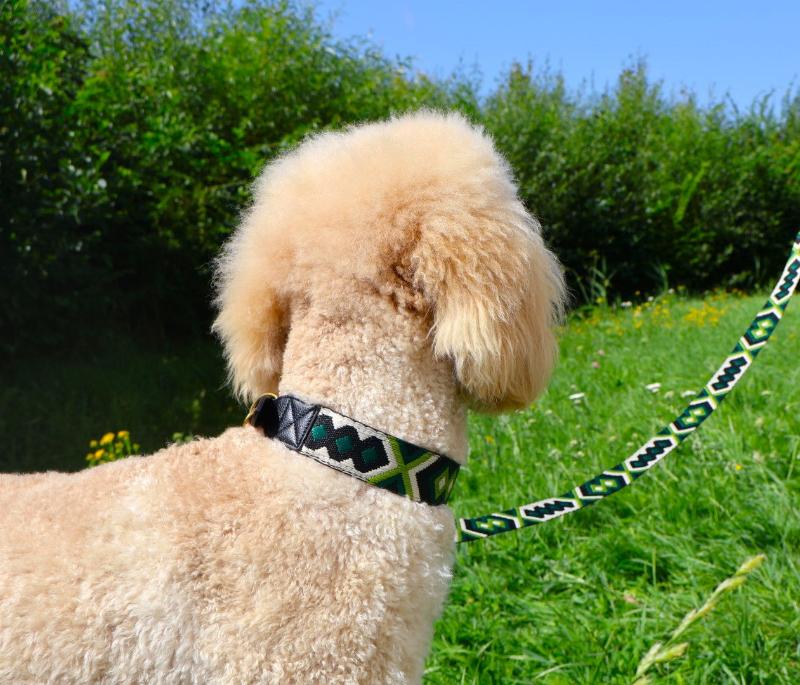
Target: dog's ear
[[253, 319], [496, 293]]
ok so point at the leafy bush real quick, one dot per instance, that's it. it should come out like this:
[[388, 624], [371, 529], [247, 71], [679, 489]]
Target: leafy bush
[[131, 130], [138, 129], [43, 61], [648, 189]]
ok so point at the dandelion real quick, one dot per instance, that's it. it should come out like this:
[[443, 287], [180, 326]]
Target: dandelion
[[738, 467], [112, 446], [700, 316], [653, 387]]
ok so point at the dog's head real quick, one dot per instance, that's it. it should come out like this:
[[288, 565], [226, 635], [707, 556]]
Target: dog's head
[[423, 208]]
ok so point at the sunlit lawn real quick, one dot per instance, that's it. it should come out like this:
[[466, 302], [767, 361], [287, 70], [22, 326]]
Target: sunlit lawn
[[581, 600]]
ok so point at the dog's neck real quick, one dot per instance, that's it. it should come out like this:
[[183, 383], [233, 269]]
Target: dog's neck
[[378, 369]]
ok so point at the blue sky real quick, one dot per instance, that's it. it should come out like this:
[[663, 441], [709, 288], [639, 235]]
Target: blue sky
[[746, 49]]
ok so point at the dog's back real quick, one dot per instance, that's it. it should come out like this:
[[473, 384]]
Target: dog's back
[[230, 560]]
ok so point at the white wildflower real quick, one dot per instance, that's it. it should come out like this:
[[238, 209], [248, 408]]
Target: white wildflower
[[653, 387], [688, 393]]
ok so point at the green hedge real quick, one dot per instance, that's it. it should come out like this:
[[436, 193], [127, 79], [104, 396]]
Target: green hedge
[[642, 190], [130, 131]]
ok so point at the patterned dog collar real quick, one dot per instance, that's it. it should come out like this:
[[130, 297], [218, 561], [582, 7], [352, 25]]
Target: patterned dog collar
[[356, 449]]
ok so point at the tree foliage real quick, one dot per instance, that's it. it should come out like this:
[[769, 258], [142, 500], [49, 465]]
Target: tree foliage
[[131, 130]]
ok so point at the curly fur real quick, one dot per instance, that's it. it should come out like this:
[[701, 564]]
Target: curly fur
[[389, 272]]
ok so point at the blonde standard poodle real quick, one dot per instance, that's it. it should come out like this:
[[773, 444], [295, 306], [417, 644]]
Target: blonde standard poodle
[[388, 272]]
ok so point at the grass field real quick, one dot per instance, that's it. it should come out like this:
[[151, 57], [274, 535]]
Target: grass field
[[581, 600], [578, 600]]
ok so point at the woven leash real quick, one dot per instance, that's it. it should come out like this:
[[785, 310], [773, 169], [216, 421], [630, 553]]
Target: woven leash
[[662, 443]]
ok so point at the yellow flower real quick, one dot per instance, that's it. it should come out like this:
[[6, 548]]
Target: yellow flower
[[490, 439], [738, 467], [108, 437], [99, 454], [123, 434], [706, 313], [93, 443]]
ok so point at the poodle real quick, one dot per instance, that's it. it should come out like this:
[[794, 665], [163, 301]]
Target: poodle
[[387, 272]]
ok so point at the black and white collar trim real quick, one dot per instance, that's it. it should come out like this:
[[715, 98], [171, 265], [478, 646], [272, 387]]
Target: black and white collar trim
[[356, 449]]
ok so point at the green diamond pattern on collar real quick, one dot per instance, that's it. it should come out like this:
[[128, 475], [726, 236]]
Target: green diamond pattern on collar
[[344, 444], [358, 450]]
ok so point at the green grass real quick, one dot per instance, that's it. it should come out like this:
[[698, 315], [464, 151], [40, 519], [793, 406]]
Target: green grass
[[579, 600]]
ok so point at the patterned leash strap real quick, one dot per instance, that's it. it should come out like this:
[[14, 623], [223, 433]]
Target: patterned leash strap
[[667, 439]]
